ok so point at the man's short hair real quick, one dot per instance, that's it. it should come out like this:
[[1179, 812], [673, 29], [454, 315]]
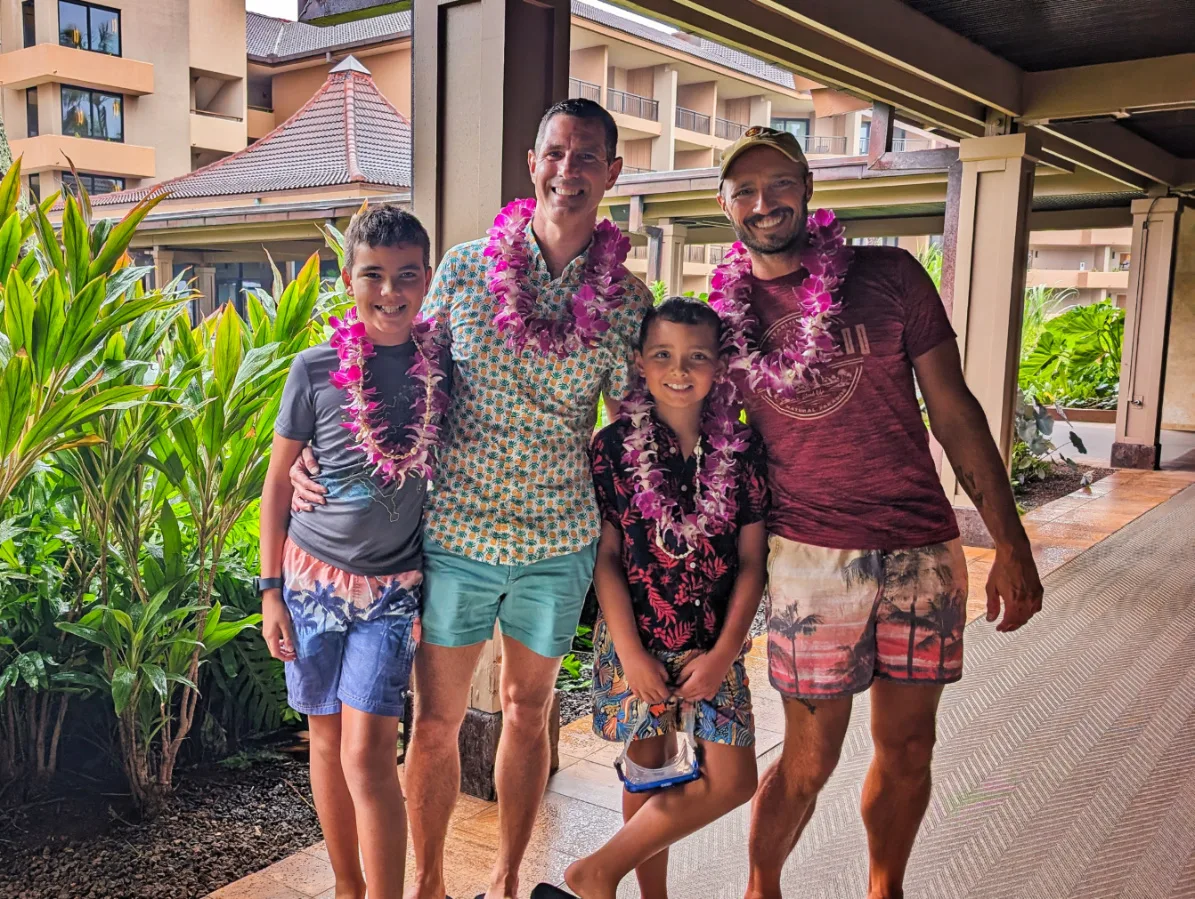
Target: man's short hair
[[681, 311], [385, 225], [580, 108]]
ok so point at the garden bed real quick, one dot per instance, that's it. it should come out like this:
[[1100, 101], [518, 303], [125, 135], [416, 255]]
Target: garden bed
[[224, 823], [1062, 480]]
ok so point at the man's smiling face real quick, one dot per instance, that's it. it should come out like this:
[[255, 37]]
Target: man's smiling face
[[571, 168], [766, 197]]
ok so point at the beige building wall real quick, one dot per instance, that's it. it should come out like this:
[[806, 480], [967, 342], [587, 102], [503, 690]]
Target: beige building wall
[[701, 97], [637, 153], [1178, 401], [590, 64], [211, 24]]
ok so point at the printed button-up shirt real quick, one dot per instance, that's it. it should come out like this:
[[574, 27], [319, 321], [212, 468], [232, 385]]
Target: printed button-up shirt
[[679, 603], [513, 483]]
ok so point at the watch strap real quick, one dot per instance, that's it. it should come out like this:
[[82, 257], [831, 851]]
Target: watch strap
[[262, 584]]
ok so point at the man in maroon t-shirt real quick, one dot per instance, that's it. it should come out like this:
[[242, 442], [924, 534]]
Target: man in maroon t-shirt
[[867, 579]]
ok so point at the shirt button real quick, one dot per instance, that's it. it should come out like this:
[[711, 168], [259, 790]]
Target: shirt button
[[672, 450], [684, 488], [693, 565]]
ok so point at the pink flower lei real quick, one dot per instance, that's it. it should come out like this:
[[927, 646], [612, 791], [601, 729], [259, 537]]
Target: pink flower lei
[[826, 260], [587, 316], [415, 455], [714, 491]]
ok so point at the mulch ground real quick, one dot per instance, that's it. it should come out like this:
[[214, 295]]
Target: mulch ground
[[1062, 481], [222, 825]]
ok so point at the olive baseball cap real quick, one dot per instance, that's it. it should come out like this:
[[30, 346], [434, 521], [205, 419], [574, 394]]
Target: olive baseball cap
[[762, 136]]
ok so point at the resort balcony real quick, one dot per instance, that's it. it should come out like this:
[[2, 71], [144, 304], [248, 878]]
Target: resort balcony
[[825, 144], [1086, 280], [100, 157], [220, 133], [695, 131], [637, 116], [53, 63], [259, 122]]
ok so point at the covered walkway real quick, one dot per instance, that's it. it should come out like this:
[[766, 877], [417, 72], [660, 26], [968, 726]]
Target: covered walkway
[[1061, 770]]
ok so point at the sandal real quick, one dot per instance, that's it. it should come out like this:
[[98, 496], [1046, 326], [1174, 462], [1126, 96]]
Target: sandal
[[547, 891]]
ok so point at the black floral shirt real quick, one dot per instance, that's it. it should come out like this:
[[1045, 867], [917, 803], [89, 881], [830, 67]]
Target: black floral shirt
[[679, 604]]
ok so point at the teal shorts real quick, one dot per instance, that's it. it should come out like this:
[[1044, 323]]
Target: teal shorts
[[537, 604]]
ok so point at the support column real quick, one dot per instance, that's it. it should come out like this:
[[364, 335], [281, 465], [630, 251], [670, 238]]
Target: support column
[[988, 299], [483, 73], [1146, 325], [163, 266], [672, 256], [205, 283], [663, 148], [761, 111]]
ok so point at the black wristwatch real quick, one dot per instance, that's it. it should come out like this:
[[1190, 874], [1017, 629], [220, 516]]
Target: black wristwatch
[[262, 584]]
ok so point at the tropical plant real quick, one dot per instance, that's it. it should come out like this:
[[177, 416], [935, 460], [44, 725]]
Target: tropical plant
[[1033, 451], [659, 290], [1075, 360], [930, 257]]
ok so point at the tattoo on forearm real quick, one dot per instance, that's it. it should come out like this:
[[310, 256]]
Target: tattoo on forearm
[[967, 479]]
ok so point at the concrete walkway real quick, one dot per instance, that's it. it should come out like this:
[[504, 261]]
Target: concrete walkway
[[1060, 751]]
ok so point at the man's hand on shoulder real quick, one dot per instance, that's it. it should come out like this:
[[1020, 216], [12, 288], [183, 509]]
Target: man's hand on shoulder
[[1014, 580], [307, 493]]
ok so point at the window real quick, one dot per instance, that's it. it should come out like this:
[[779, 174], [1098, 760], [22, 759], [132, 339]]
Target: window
[[35, 187], [29, 23], [93, 184], [864, 136], [31, 122], [234, 278], [94, 114], [799, 128], [88, 27]]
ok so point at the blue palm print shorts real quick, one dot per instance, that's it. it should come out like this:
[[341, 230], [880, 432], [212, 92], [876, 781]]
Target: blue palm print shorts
[[355, 636], [728, 718]]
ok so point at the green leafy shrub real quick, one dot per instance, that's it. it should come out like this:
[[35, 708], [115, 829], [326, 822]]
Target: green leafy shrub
[[1075, 360]]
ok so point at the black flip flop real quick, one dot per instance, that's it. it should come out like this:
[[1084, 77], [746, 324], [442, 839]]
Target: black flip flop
[[547, 891]]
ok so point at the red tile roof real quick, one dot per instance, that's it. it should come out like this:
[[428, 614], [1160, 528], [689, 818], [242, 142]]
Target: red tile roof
[[347, 133]]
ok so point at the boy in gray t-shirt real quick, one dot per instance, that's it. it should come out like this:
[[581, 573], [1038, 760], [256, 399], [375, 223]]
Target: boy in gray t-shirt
[[341, 583]]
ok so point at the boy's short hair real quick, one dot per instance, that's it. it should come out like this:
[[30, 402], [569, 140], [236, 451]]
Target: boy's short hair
[[580, 108], [681, 311], [386, 225]]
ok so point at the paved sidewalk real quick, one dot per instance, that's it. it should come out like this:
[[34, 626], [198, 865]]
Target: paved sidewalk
[[1038, 742]]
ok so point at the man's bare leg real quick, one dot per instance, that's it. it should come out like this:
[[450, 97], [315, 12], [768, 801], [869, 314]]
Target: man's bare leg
[[896, 792], [521, 771], [334, 805], [813, 735], [442, 678], [368, 750], [651, 753]]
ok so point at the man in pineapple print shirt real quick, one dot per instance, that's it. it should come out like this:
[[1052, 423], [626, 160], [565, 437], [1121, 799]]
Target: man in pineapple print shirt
[[867, 582], [512, 524]]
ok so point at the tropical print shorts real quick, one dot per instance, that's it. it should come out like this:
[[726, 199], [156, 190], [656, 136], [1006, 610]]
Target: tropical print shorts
[[355, 636], [838, 619], [727, 718]]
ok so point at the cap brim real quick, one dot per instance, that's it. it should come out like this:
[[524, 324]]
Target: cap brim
[[736, 152]]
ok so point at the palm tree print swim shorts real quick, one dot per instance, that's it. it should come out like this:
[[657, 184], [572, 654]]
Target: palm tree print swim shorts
[[838, 619]]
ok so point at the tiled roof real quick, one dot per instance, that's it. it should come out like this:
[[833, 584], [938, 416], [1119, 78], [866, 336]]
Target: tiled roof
[[348, 132], [273, 40], [690, 44]]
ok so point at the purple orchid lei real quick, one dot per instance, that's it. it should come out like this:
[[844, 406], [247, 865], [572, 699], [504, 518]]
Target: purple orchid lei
[[415, 456], [825, 259], [714, 491], [587, 316]]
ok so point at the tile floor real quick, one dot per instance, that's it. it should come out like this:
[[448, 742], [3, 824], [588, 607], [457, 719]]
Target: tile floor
[[580, 809]]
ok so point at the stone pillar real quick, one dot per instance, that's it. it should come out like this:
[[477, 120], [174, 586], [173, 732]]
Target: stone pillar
[[663, 148], [483, 73], [988, 298], [1178, 403], [163, 260], [205, 283], [672, 256], [1151, 280], [854, 123]]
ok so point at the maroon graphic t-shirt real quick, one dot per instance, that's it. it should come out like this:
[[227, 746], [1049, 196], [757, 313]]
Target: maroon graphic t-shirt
[[849, 464]]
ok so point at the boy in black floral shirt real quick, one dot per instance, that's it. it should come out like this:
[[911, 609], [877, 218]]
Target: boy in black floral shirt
[[680, 571]]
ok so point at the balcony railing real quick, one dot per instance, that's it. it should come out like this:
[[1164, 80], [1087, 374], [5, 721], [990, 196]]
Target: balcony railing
[[632, 104], [899, 144], [638, 251], [728, 130], [695, 252], [586, 90], [633, 170], [692, 120], [717, 252], [828, 144]]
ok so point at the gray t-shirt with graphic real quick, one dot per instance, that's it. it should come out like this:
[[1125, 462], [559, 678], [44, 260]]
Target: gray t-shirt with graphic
[[363, 527]]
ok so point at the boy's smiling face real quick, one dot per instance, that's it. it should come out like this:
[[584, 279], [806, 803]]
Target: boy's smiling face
[[680, 363], [388, 285]]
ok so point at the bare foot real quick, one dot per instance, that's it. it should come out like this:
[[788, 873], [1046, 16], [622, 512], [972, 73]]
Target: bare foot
[[584, 879]]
